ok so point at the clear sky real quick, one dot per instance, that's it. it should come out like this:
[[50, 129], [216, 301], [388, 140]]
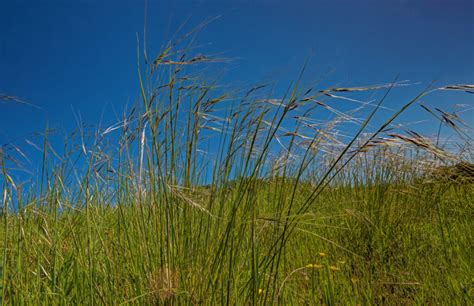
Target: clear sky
[[79, 56]]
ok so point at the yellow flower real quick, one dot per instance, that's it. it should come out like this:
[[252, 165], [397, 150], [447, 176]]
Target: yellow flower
[[260, 291], [354, 280], [334, 268], [314, 266], [322, 254]]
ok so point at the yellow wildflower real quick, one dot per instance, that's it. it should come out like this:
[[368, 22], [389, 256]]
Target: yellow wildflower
[[334, 268], [314, 266], [322, 254], [260, 291]]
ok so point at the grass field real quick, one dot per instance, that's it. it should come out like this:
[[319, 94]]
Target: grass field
[[205, 197]]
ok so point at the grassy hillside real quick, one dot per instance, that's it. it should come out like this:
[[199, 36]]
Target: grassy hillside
[[398, 244]]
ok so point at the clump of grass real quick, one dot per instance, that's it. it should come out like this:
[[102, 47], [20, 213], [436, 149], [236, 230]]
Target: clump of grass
[[163, 284], [462, 172], [205, 196]]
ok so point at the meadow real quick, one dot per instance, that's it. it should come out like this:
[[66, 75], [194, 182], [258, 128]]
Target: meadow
[[205, 196]]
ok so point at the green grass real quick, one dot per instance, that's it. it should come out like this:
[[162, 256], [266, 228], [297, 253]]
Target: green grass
[[272, 213], [396, 245]]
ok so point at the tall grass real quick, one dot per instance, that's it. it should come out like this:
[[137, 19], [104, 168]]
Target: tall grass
[[204, 196]]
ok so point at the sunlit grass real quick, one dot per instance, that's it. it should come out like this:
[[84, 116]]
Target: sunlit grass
[[200, 196]]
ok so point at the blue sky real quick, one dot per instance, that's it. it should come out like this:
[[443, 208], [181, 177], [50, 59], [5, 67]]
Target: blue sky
[[79, 57]]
